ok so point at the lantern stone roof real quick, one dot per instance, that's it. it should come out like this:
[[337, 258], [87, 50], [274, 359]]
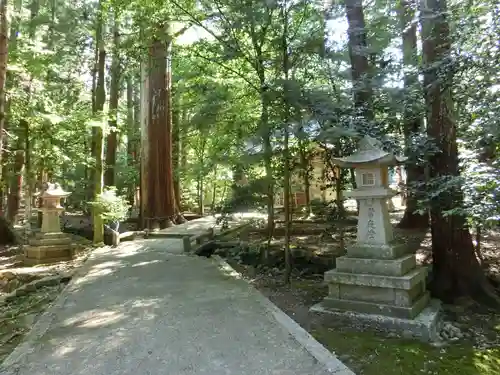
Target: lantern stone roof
[[53, 191], [369, 151]]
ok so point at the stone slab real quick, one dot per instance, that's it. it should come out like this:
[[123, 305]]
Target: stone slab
[[407, 281], [366, 293], [145, 307], [47, 254], [51, 235], [425, 326], [48, 248], [386, 267], [374, 251], [38, 261], [391, 296], [378, 308], [41, 241]]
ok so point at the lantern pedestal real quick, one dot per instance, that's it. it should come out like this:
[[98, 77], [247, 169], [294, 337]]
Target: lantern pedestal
[[46, 248], [378, 283], [50, 245]]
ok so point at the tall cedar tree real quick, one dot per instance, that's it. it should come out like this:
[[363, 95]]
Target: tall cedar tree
[[456, 270], [160, 208]]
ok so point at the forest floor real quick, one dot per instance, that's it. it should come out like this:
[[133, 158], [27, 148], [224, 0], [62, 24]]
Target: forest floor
[[470, 336], [18, 314]]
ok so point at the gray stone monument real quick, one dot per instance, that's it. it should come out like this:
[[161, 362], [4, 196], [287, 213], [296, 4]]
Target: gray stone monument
[[378, 282], [50, 245]]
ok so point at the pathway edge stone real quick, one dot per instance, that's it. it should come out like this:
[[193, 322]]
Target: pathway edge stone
[[43, 323], [304, 338]]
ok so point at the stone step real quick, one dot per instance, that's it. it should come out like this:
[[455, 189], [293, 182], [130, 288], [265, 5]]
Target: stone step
[[40, 235], [385, 267], [54, 247], [378, 308], [376, 251], [44, 241], [391, 296], [37, 261], [407, 282], [423, 327], [47, 253]]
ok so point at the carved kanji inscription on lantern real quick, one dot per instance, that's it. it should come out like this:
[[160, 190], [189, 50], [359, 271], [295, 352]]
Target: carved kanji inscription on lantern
[[371, 230]]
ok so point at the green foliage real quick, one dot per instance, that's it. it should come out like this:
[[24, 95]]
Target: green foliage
[[225, 78], [246, 197], [111, 206]]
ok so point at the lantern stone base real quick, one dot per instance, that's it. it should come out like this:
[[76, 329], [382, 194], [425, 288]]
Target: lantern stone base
[[46, 248], [424, 327], [382, 282]]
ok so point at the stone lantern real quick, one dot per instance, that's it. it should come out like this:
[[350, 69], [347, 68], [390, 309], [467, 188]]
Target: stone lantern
[[378, 282], [51, 208], [50, 245]]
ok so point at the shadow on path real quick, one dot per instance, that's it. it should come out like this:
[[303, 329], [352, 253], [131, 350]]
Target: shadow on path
[[146, 308]]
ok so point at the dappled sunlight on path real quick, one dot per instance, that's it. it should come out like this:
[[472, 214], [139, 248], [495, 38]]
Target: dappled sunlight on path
[[145, 307]]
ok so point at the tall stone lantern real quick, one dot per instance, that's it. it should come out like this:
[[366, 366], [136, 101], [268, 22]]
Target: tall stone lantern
[[378, 282], [50, 245]]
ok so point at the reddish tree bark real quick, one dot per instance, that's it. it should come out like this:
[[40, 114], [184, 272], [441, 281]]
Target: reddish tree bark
[[161, 209], [456, 270], [131, 139], [4, 44], [176, 151]]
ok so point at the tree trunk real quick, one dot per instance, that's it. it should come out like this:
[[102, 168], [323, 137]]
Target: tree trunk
[[28, 199], [22, 164], [214, 190], [358, 53], [160, 200], [305, 166], [7, 235], [144, 117], [131, 140], [268, 154], [177, 148], [286, 149], [265, 133], [90, 172], [42, 178], [4, 44], [114, 94], [16, 184], [415, 174], [98, 138], [456, 270], [28, 142], [201, 197]]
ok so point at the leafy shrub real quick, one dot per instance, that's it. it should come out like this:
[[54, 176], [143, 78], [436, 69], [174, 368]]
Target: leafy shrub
[[111, 207]]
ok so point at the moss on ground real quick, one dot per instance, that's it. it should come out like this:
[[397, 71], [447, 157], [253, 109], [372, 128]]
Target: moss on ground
[[367, 354]]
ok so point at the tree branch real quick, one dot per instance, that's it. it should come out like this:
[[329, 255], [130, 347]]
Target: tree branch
[[181, 31], [226, 20], [218, 38], [229, 69]]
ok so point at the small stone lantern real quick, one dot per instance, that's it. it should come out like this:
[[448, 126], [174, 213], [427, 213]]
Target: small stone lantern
[[51, 207], [378, 282], [50, 245]]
